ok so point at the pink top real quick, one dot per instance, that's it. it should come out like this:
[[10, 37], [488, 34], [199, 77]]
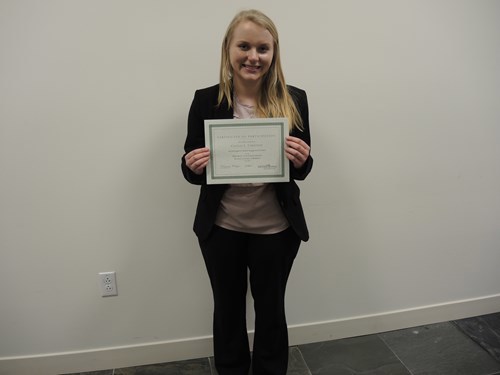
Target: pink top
[[250, 208]]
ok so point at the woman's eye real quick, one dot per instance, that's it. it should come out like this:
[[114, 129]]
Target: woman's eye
[[243, 47], [263, 49]]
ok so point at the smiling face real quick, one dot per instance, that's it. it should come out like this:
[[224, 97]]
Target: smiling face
[[251, 52]]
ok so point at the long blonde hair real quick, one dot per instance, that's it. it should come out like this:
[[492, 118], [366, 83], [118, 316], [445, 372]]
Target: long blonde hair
[[274, 99]]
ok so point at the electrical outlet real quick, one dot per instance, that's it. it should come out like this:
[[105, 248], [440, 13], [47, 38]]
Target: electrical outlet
[[108, 284]]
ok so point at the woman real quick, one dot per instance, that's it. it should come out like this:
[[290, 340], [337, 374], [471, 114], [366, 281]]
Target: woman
[[255, 227]]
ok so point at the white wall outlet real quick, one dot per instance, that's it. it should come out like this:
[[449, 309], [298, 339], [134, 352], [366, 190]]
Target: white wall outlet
[[108, 284]]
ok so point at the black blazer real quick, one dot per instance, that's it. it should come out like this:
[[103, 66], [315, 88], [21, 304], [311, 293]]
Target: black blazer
[[204, 106]]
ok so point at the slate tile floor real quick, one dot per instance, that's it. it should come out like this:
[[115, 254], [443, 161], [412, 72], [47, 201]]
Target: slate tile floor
[[469, 347]]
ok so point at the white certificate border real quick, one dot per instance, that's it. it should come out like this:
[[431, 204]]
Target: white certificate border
[[282, 176]]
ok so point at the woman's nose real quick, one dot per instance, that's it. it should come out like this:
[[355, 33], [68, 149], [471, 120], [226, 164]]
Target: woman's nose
[[252, 54]]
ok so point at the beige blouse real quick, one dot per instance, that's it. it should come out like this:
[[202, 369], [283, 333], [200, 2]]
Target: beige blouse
[[250, 208]]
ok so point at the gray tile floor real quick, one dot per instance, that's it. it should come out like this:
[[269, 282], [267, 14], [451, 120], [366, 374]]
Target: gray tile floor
[[469, 347]]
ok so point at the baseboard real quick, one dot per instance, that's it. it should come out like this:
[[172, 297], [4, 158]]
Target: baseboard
[[393, 320], [125, 356]]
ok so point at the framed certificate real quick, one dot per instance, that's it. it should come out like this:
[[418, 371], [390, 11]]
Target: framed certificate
[[247, 151]]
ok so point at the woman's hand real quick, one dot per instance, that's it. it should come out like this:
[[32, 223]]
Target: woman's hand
[[297, 151], [197, 160]]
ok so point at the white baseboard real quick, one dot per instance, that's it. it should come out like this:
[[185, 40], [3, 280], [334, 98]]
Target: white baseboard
[[393, 320], [167, 351]]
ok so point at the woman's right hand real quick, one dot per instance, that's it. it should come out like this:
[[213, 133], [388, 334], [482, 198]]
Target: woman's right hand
[[197, 159]]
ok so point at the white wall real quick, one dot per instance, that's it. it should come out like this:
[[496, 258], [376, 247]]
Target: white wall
[[402, 204]]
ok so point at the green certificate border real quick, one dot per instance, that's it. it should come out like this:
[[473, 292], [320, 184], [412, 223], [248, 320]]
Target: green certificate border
[[239, 126]]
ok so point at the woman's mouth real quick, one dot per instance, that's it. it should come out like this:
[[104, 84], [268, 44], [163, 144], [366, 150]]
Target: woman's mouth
[[251, 68]]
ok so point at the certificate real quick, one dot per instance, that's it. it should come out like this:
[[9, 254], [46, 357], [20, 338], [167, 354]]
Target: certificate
[[247, 151]]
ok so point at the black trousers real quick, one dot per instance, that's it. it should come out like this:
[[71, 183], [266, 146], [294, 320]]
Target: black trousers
[[228, 256]]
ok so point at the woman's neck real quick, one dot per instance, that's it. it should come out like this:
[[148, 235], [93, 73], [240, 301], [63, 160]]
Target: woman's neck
[[247, 94]]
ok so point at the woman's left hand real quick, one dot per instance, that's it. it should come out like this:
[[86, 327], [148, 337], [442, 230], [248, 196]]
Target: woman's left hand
[[297, 151]]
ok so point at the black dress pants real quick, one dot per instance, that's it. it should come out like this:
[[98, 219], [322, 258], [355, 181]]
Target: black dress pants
[[228, 256]]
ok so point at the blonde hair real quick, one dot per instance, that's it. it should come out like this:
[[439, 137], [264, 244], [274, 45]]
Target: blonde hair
[[274, 99]]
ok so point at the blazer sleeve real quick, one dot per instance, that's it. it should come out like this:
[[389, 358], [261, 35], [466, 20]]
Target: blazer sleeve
[[300, 98], [195, 139]]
